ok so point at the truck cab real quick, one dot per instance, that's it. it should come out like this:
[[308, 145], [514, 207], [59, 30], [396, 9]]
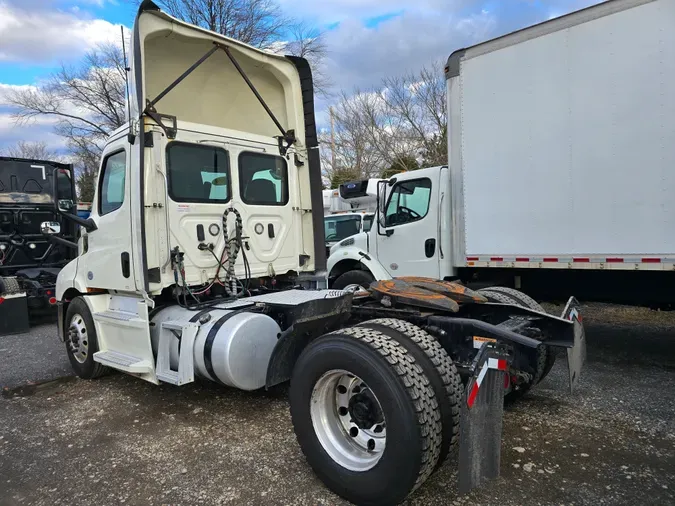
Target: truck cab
[[411, 234], [30, 191]]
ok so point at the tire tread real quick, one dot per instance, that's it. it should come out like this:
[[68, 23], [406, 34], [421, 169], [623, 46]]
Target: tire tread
[[418, 388], [442, 362]]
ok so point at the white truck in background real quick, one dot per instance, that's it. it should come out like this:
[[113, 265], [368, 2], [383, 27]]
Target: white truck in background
[[561, 164], [348, 210]]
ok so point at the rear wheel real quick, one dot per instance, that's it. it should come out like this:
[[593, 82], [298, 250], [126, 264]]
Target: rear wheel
[[365, 416], [81, 340], [354, 280], [527, 301], [9, 285], [525, 381], [437, 366]]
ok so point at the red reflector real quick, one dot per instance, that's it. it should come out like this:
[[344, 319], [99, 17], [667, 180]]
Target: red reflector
[[472, 395], [501, 364], [2, 299], [615, 260], [52, 300], [522, 259], [496, 259], [651, 260], [550, 259], [48, 292], [474, 259], [581, 260]]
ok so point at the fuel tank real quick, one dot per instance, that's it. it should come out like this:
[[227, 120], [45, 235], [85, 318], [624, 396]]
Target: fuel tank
[[232, 347]]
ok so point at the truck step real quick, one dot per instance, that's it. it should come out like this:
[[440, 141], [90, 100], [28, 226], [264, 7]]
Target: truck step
[[168, 332], [169, 377], [120, 318], [123, 362]]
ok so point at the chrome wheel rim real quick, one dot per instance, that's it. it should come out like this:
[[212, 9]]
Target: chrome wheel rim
[[78, 340], [356, 289], [348, 420]]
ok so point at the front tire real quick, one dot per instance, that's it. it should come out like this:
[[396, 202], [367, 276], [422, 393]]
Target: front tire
[[81, 340], [357, 381], [354, 279]]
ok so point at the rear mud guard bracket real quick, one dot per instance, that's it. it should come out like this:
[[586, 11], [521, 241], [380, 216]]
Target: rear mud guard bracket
[[482, 412]]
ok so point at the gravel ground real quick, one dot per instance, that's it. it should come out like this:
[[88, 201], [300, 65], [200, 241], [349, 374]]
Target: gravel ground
[[34, 357], [120, 440]]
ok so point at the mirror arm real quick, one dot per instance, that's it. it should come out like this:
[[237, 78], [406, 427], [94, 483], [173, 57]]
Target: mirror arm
[[62, 241], [88, 224]]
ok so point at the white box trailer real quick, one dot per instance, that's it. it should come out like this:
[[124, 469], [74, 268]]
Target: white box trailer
[[560, 176], [561, 142]]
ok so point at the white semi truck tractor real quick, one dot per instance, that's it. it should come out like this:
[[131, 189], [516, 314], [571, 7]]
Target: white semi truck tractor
[[559, 177], [203, 259]]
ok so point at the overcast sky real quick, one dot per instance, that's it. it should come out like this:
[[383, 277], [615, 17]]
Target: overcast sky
[[367, 39]]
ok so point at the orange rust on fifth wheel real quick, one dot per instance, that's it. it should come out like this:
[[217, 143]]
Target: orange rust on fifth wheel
[[458, 293], [400, 291]]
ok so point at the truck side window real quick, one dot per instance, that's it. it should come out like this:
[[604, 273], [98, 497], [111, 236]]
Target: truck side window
[[198, 173], [409, 201], [263, 179], [111, 194]]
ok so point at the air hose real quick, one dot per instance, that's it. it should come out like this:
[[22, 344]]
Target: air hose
[[232, 246]]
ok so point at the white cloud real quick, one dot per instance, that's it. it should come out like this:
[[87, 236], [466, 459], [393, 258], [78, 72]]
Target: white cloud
[[47, 35], [38, 130]]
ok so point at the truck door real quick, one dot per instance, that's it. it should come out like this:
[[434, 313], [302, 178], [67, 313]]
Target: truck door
[[407, 243], [107, 259]]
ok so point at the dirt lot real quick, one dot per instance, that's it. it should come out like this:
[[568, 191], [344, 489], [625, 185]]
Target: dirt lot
[[118, 440]]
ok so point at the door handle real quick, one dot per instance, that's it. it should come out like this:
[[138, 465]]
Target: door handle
[[430, 247], [270, 230], [126, 265]]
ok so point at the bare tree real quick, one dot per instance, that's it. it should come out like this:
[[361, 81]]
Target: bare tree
[[401, 125], [309, 42], [32, 150], [353, 138], [87, 100], [418, 101], [255, 22]]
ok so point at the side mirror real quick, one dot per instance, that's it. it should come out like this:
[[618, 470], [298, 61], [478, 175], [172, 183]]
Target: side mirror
[[66, 205], [50, 227]]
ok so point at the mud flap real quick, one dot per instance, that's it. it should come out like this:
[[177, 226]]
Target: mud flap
[[480, 432], [14, 313], [576, 355]]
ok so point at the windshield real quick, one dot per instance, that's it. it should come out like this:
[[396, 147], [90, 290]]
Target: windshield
[[26, 182], [341, 227]]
